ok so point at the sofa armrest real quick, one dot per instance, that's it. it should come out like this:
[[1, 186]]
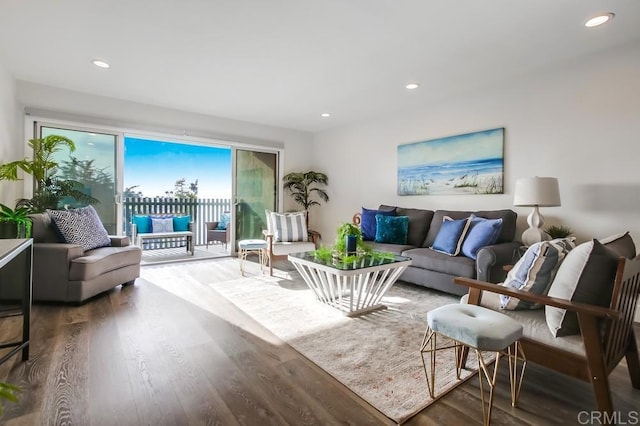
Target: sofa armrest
[[492, 259], [476, 288], [119, 240]]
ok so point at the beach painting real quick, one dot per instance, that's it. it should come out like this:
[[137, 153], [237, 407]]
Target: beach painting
[[472, 163]]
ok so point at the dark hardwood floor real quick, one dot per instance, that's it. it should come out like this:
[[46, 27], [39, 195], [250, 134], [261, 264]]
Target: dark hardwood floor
[[143, 356]]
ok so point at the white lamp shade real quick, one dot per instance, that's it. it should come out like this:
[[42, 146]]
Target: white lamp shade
[[537, 191]]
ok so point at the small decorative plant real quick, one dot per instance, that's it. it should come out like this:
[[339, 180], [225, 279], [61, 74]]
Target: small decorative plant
[[19, 217], [342, 232], [8, 392], [558, 231]]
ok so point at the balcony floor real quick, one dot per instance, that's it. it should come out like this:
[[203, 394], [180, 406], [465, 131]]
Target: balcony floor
[[179, 254]]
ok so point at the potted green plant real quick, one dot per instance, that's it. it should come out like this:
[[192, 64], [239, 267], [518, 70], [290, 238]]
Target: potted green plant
[[8, 392], [49, 189], [558, 231], [301, 186], [345, 230], [14, 223]]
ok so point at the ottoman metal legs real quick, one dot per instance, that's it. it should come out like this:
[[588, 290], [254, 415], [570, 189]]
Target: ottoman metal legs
[[483, 330], [247, 247]]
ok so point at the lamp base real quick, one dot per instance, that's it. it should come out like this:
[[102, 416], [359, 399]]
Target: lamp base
[[534, 235]]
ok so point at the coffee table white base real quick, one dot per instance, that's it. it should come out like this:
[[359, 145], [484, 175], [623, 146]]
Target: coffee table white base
[[354, 292]]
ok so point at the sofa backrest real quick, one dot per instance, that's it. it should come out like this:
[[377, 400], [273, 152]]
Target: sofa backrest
[[44, 230], [419, 222], [507, 233]]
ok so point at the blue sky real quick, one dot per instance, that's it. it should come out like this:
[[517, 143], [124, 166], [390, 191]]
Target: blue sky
[[156, 166]]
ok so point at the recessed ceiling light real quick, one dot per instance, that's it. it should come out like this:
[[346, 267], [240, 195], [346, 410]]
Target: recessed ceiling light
[[599, 20], [325, 115], [412, 86], [99, 63]]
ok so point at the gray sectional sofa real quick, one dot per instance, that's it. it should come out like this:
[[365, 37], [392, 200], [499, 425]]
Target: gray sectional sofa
[[436, 270]]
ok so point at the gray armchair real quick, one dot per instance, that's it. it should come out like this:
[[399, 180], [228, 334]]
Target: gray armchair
[[67, 273]]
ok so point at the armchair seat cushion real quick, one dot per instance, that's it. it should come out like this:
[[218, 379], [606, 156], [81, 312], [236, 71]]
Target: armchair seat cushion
[[534, 325], [284, 248], [102, 260]]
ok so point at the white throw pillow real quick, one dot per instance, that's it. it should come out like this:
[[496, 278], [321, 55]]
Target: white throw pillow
[[288, 227]]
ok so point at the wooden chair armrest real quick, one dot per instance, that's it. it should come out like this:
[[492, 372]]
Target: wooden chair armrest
[[584, 308], [357, 219]]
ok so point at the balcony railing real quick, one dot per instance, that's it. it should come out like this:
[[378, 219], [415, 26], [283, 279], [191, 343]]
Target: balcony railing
[[201, 210]]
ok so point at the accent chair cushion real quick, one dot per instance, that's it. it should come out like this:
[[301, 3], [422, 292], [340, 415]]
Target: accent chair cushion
[[289, 227], [450, 236], [391, 229], [159, 225], [482, 232], [535, 271], [143, 224], [181, 223], [81, 226], [368, 222], [586, 276], [223, 223], [621, 244]]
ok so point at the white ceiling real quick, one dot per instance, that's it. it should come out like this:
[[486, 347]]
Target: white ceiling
[[284, 62]]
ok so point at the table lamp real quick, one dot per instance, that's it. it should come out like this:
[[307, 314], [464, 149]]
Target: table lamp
[[536, 192]]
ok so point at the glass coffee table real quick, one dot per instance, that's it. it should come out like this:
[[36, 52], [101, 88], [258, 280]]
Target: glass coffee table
[[356, 287]]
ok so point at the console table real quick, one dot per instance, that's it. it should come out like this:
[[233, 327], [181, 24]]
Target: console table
[[15, 290]]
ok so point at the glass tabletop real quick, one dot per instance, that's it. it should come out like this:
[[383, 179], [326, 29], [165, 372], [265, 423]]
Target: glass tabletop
[[354, 262]]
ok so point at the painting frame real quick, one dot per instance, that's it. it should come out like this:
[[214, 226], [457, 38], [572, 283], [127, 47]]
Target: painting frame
[[464, 164]]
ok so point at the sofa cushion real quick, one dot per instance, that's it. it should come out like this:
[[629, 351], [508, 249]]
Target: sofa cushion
[[482, 232], [181, 223], [621, 244], [431, 260], [419, 222], [102, 260], [535, 271], [143, 224], [368, 222], [389, 248], [586, 276], [44, 230], [450, 236], [81, 226], [161, 225], [391, 229]]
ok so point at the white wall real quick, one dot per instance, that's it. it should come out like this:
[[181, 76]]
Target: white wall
[[579, 123], [11, 134]]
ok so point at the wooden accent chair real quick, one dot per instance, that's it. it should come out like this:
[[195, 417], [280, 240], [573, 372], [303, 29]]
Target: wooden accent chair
[[606, 333]]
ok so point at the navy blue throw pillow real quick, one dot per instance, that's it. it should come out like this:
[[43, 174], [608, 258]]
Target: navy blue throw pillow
[[368, 222]]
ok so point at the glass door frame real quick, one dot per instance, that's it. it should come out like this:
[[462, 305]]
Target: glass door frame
[[234, 191], [38, 124]]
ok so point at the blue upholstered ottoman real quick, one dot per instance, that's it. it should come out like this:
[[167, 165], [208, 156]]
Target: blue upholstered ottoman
[[481, 329]]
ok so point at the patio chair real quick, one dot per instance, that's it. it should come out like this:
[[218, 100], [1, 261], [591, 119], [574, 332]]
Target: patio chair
[[216, 235]]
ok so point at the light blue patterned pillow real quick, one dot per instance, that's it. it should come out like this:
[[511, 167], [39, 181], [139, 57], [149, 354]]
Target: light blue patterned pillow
[[392, 229], [161, 225], [535, 271]]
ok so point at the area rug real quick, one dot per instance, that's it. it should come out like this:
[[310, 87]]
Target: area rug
[[375, 355]]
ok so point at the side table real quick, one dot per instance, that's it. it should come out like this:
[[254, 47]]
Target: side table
[[15, 290]]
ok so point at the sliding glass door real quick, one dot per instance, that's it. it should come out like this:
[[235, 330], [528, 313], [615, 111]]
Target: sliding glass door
[[94, 165], [255, 190]]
